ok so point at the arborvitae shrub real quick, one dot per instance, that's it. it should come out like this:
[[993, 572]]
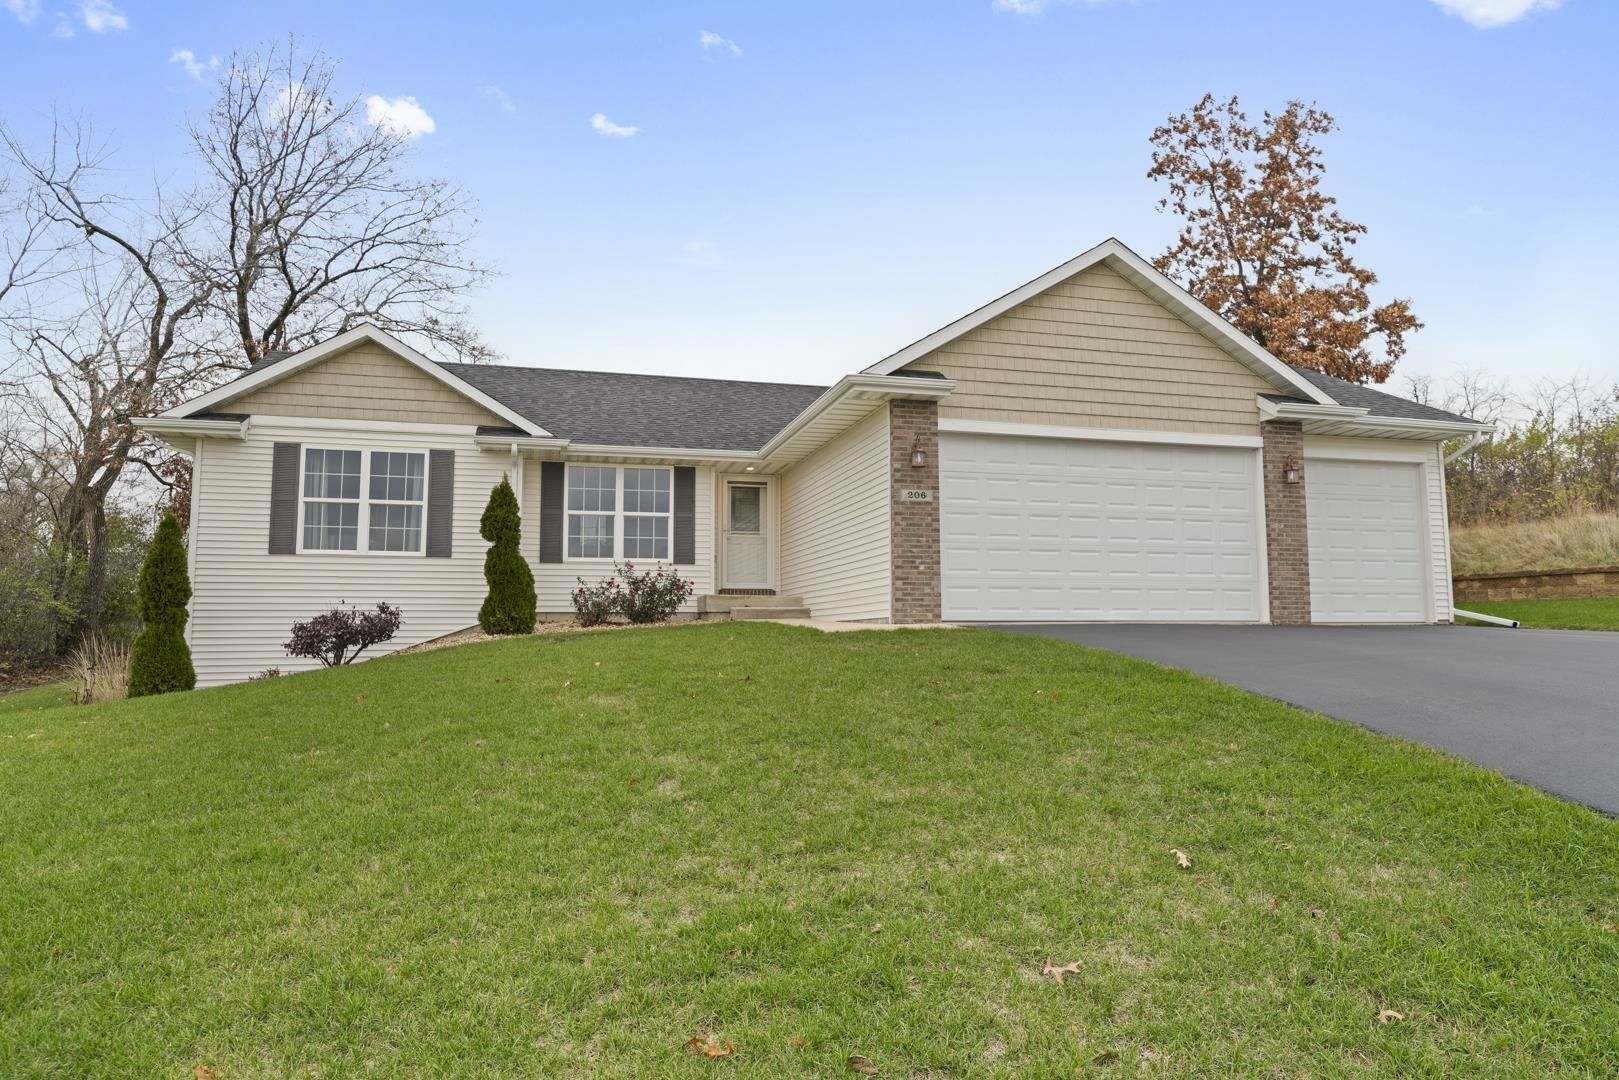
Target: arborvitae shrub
[[162, 660], [509, 607]]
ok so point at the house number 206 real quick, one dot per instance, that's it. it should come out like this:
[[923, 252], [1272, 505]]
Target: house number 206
[[915, 495]]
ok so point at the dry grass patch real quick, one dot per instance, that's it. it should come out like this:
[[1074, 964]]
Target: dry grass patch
[[1564, 543]]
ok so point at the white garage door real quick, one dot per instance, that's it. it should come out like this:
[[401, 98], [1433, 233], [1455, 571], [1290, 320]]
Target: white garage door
[[1063, 529], [1368, 551]]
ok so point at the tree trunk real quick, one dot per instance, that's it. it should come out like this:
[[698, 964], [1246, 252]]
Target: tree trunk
[[95, 568]]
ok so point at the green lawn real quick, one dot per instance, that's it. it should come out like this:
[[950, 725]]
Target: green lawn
[[567, 855], [36, 698], [1601, 613]]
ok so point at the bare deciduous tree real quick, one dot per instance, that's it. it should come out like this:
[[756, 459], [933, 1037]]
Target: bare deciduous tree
[[304, 221]]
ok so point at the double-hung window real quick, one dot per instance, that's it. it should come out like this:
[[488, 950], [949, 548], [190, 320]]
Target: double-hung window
[[356, 500], [616, 513]]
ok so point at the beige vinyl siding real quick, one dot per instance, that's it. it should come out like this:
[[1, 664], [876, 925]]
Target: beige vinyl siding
[[554, 582], [834, 546], [1095, 351], [366, 382], [1428, 455], [245, 600]]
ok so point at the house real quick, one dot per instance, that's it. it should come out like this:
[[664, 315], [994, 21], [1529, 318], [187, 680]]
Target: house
[[1094, 445]]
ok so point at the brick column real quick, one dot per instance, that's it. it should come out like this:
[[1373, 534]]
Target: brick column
[[1287, 539], [914, 525]]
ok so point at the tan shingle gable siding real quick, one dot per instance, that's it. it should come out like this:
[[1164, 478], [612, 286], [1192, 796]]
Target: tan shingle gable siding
[[1095, 351], [366, 382]]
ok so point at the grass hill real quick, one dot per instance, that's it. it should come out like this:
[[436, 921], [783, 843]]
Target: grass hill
[[953, 852]]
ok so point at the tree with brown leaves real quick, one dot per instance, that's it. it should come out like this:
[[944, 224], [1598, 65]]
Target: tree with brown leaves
[[1264, 247]]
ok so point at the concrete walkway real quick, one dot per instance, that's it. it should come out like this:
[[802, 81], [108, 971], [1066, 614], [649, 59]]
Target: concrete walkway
[[1541, 706]]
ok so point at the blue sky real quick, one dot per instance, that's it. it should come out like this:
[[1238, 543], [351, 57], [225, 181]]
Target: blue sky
[[852, 174]]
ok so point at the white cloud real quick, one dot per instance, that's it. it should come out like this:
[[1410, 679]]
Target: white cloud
[[64, 27], [698, 253], [25, 10], [711, 41], [197, 69], [607, 127], [399, 116], [100, 17], [501, 98], [1487, 14]]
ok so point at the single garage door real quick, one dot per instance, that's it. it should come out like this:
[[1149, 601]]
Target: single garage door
[[1036, 529], [1368, 548]]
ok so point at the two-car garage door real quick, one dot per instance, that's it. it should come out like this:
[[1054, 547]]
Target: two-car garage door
[[1063, 529], [1048, 529]]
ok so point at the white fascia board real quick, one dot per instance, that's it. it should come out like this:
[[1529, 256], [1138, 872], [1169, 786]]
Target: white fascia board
[[349, 338], [1113, 251], [164, 426], [877, 387], [1099, 434]]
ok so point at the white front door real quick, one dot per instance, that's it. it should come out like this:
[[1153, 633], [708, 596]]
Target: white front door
[[1060, 530], [1368, 541], [746, 541]]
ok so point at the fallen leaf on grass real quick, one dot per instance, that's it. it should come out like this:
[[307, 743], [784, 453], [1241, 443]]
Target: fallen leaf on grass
[[204, 1072], [1611, 927], [797, 1040], [1181, 858], [567, 684], [863, 1065], [362, 698], [709, 1048], [1387, 1015], [1052, 971]]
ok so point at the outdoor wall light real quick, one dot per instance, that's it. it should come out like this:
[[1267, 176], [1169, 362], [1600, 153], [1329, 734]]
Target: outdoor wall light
[[1290, 470], [919, 456]]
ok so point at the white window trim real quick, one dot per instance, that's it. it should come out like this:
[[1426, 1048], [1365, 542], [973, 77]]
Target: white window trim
[[617, 515], [363, 539]]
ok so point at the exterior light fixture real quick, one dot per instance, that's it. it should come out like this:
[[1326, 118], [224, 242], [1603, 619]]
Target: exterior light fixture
[[919, 456], [747, 468], [1290, 470]]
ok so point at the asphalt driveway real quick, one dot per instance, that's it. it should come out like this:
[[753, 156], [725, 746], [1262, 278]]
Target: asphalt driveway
[[1541, 706]]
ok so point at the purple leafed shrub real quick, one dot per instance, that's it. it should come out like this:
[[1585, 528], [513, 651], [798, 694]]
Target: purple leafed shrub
[[645, 596], [339, 636]]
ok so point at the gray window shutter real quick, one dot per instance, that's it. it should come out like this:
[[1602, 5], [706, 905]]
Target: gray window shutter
[[284, 458], [553, 485], [685, 541], [440, 502]]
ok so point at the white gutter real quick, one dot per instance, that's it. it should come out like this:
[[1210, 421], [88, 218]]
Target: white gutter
[[1493, 620], [1300, 410], [519, 442], [1478, 437], [908, 386], [603, 450]]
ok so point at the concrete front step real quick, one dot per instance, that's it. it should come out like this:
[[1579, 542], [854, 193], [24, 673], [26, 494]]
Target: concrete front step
[[719, 604], [755, 611]]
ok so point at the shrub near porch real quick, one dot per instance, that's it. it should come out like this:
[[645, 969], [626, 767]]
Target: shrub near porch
[[568, 855]]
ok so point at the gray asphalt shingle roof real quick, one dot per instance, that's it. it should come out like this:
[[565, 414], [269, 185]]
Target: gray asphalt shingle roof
[[643, 410], [617, 409], [1376, 402]]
